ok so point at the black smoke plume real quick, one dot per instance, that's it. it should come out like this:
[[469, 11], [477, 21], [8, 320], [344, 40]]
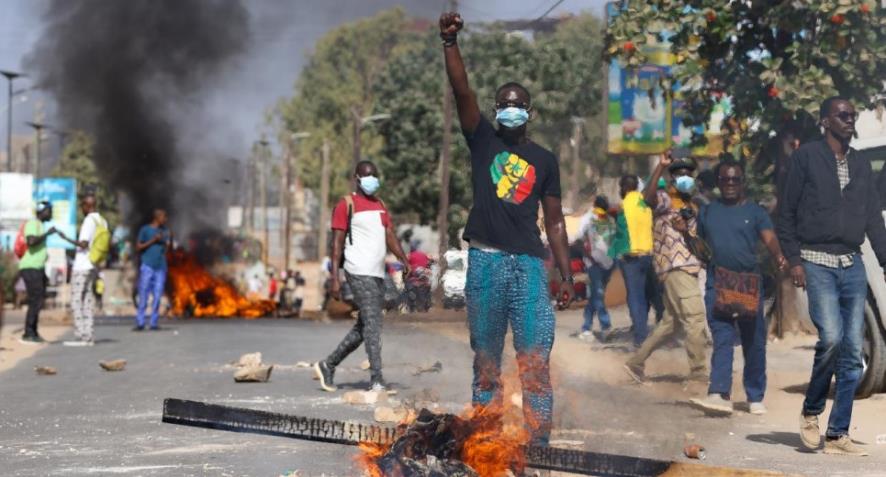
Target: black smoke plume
[[133, 74]]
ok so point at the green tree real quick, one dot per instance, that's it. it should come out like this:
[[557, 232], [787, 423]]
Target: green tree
[[562, 70], [776, 60], [76, 162], [336, 84]]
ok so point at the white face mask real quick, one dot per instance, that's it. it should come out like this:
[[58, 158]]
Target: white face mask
[[369, 184]]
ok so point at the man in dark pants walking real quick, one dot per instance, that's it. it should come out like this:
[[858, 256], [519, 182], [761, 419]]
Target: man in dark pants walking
[[511, 177], [32, 268], [363, 231], [828, 203]]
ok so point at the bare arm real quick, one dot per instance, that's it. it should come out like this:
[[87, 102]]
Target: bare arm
[[35, 240], [142, 246], [395, 248], [465, 98], [338, 246], [770, 240], [650, 193], [555, 227]]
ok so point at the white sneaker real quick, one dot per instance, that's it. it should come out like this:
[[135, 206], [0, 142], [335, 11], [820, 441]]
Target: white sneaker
[[757, 408], [79, 343], [586, 335], [713, 404]]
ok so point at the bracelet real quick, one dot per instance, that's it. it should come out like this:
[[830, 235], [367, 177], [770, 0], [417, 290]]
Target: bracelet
[[569, 279], [448, 39]]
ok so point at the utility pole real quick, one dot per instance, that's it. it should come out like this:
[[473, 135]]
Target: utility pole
[[324, 203], [263, 192], [10, 75], [38, 131], [577, 171], [445, 160], [288, 192], [249, 212]]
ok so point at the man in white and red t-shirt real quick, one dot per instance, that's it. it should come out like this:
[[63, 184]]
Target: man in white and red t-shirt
[[363, 231]]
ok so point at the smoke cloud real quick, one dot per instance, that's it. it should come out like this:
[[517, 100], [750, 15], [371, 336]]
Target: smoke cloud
[[135, 74]]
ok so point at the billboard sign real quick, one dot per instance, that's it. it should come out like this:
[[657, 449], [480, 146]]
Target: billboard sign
[[62, 193], [16, 205]]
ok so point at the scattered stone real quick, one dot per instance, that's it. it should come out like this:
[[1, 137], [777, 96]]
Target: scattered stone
[[113, 365], [303, 364], [365, 397], [881, 439], [249, 360], [694, 451], [45, 370], [388, 414], [434, 368], [254, 374], [566, 443], [364, 365]]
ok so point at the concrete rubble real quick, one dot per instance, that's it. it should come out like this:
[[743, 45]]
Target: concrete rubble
[[260, 373], [365, 397], [249, 359], [45, 370], [113, 365]]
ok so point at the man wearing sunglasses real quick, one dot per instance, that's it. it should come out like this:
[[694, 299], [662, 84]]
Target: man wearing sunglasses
[[507, 282], [827, 204], [733, 228]]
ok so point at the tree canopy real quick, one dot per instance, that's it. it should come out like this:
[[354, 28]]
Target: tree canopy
[[775, 60], [76, 162]]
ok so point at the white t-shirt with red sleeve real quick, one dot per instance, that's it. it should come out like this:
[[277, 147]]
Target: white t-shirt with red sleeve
[[365, 250]]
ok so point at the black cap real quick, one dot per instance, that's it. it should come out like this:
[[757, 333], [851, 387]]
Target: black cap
[[682, 163], [43, 205]]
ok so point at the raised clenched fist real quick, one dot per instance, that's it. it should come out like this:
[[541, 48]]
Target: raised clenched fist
[[451, 23]]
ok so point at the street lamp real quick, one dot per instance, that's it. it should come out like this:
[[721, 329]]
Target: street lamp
[[38, 131], [10, 76], [263, 194], [359, 122]]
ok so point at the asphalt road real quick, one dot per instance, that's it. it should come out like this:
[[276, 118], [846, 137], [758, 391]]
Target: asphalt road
[[85, 421]]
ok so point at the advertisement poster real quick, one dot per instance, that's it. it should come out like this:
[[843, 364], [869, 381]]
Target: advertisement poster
[[62, 193], [16, 205], [642, 119]]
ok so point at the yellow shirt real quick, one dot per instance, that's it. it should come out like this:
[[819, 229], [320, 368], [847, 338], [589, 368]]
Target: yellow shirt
[[638, 217]]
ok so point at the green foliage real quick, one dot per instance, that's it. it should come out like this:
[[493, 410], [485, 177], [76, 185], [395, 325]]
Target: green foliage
[[76, 162], [384, 65], [777, 60]]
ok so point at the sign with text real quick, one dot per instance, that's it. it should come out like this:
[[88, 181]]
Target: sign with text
[[61, 192]]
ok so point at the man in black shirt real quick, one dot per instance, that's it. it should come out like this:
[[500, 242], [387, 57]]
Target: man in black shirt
[[828, 203], [507, 282]]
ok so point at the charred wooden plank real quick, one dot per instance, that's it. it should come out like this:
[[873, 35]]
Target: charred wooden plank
[[215, 416]]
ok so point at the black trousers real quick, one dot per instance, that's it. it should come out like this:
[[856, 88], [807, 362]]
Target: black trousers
[[35, 283]]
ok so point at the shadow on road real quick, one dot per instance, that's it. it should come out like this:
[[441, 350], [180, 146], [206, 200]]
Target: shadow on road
[[787, 439]]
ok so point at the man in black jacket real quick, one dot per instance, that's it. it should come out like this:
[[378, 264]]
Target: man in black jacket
[[828, 203]]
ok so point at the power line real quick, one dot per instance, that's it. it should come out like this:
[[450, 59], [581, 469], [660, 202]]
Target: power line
[[549, 10]]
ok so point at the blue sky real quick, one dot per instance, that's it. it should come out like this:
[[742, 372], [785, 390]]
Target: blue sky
[[285, 31]]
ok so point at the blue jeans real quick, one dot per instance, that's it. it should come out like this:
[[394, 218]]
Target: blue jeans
[[598, 278], [753, 348], [505, 289], [836, 306], [634, 270], [150, 282]]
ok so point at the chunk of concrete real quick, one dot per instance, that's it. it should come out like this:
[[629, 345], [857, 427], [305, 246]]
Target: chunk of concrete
[[390, 414], [45, 370], [254, 374], [249, 360], [365, 397], [113, 365]]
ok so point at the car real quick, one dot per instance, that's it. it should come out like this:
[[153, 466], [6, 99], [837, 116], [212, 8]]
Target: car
[[874, 345]]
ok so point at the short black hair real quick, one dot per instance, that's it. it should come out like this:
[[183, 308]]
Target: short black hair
[[728, 163], [707, 178], [364, 163], [602, 202], [513, 85], [629, 181], [827, 104]]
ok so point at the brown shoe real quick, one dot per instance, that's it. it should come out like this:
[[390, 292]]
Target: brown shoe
[[843, 446], [809, 431]]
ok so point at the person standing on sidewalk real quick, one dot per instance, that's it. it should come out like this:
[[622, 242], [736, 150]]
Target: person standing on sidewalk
[[154, 239], [597, 234], [511, 177], [677, 268], [828, 203], [362, 230], [85, 274], [632, 246], [32, 269], [733, 228]]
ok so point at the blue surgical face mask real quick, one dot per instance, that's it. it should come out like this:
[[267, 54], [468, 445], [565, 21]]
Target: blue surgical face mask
[[512, 117], [684, 184], [369, 184]]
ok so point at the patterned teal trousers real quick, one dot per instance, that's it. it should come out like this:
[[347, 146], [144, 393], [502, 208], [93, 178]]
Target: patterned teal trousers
[[505, 289]]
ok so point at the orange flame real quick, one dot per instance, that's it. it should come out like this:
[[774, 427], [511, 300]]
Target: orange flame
[[192, 287]]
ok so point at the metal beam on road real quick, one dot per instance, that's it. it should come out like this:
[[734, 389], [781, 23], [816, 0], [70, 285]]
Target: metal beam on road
[[215, 416]]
